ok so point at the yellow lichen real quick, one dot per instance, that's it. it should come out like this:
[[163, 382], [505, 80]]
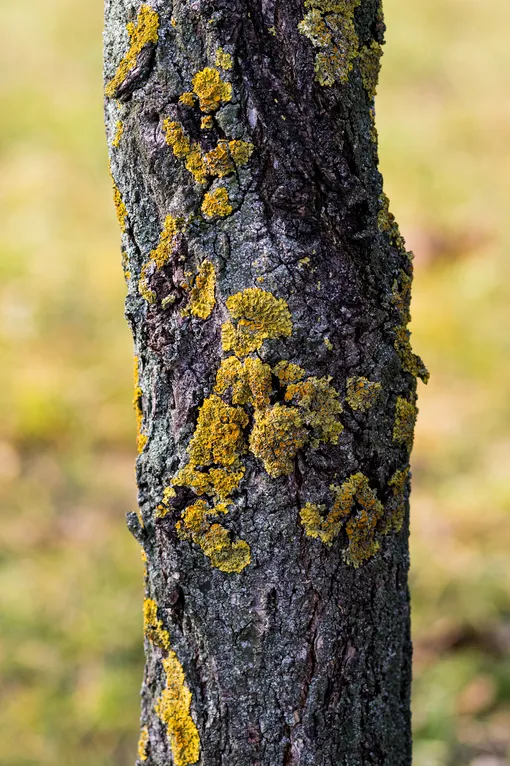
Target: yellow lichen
[[143, 743], [355, 495], [405, 419], [329, 26], [278, 433], [159, 256], [250, 381], [259, 316], [202, 298], [120, 207], [188, 98], [211, 90], [241, 151], [164, 506], [119, 130], [218, 161], [206, 122], [173, 708], [214, 540], [176, 138], [216, 204], [143, 32], [215, 482], [219, 435], [153, 627], [361, 393], [320, 406], [286, 372], [195, 163], [141, 438], [370, 65], [223, 60]]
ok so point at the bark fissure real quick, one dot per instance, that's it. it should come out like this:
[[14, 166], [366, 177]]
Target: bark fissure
[[298, 653]]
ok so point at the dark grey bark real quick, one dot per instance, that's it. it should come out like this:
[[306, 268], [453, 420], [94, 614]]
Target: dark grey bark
[[303, 655]]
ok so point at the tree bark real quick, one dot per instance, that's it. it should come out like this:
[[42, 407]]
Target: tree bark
[[275, 391]]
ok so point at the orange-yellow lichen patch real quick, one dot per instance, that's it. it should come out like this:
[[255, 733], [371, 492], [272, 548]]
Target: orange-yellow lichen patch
[[176, 138], [241, 151], [405, 419], [143, 743], [287, 372], [163, 507], [320, 406], [214, 540], [216, 204], [355, 495], [206, 123], [119, 130], [223, 59], [218, 161], [361, 393], [143, 32], [277, 435], [153, 627], [188, 99], [173, 708], [202, 298], [216, 482], [141, 438], [250, 381], [120, 207], [259, 316], [211, 90], [158, 257], [219, 435]]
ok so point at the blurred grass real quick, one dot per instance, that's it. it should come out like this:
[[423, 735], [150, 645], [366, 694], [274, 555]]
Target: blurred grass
[[70, 577]]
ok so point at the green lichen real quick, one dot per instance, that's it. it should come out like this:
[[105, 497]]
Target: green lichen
[[216, 204], [370, 65], [396, 507], [405, 420], [258, 316], [173, 708], [387, 224], [401, 299], [211, 90], [143, 32], [329, 26], [361, 393], [202, 298], [320, 406]]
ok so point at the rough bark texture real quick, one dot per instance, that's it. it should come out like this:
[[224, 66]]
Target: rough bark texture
[[277, 610]]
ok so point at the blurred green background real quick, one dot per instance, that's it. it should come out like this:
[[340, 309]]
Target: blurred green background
[[70, 574]]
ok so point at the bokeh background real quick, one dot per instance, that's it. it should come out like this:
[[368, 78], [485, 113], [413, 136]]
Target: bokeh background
[[70, 573]]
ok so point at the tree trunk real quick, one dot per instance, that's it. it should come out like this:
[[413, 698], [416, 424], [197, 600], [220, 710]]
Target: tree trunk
[[275, 386]]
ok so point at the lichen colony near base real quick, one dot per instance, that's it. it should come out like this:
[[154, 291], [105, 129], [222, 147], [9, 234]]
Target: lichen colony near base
[[173, 709]]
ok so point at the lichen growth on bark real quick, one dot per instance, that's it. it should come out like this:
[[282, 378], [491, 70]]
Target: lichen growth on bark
[[396, 506], [370, 65], [173, 708], [223, 59], [361, 393], [202, 298], [120, 208], [119, 130], [158, 257], [143, 743], [216, 204], [320, 406], [211, 90], [141, 438], [405, 419], [143, 32], [277, 435], [153, 627], [258, 316], [329, 26]]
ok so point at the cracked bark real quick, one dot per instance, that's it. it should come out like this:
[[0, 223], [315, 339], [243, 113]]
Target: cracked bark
[[301, 659]]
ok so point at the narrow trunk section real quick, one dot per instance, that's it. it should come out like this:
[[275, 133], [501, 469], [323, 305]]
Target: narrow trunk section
[[275, 385]]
